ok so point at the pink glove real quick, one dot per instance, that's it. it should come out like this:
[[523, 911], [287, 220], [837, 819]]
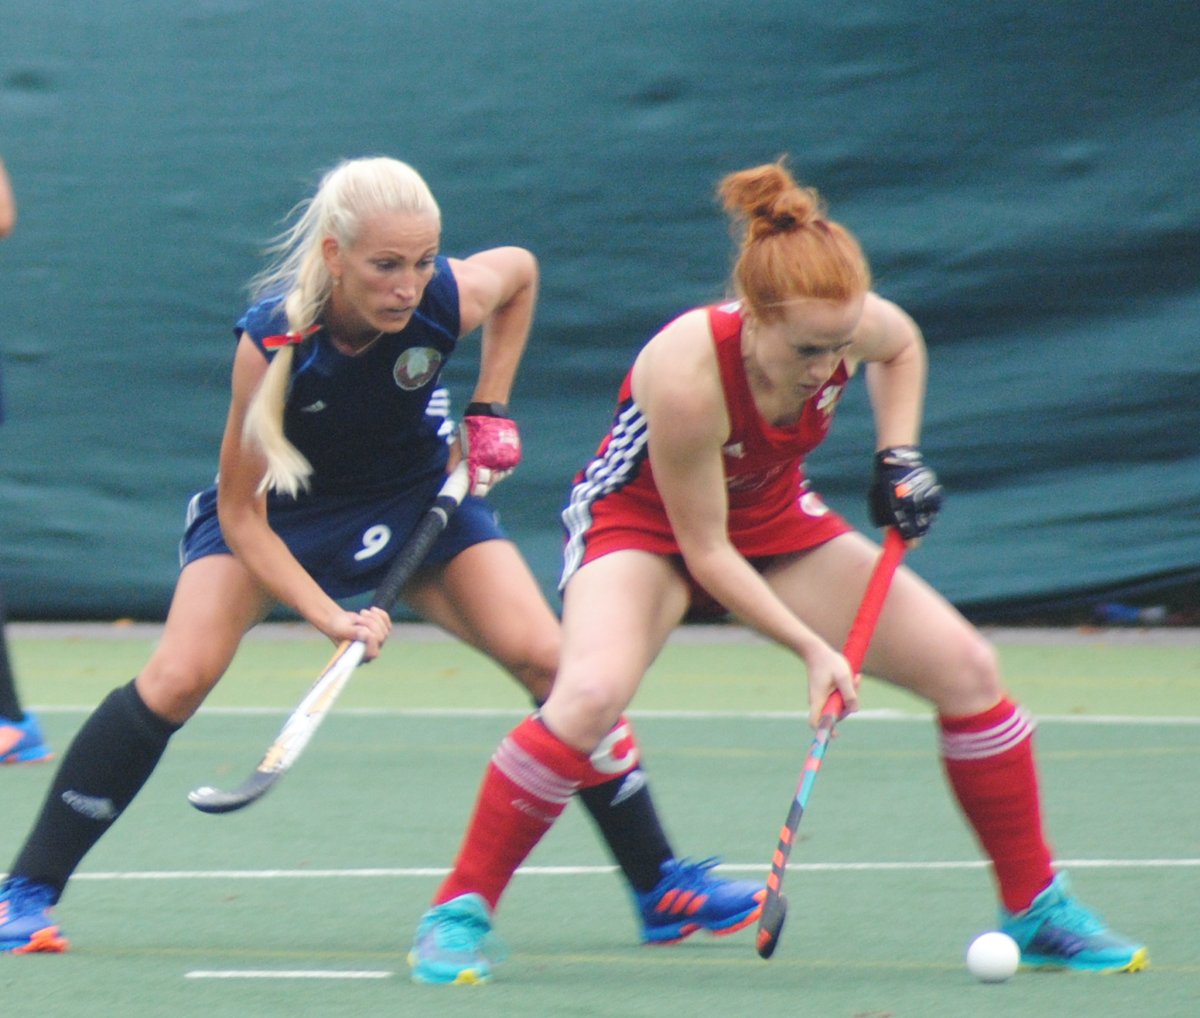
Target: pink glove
[[491, 444]]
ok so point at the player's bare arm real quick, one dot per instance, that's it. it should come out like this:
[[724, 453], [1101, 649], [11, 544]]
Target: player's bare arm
[[242, 509], [891, 345], [498, 291], [8, 204]]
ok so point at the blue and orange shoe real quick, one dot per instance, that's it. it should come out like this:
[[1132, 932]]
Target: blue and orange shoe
[[455, 944], [1056, 932], [25, 923], [22, 741], [689, 898]]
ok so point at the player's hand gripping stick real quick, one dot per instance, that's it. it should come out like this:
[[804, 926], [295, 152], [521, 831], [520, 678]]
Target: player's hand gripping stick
[[774, 912], [315, 706]]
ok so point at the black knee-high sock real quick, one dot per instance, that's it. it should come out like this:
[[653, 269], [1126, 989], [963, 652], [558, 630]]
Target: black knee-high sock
[[10, 705], [623, 810], [106, 765]]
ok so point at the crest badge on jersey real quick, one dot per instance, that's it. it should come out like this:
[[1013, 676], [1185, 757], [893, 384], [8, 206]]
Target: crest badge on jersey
[[828, 400], [416, 366], [811, 504]]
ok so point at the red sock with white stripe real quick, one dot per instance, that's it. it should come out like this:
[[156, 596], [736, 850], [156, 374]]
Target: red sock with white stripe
[[528, 783], [989, 760]]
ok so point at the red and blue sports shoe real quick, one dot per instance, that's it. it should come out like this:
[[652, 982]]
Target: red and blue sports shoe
[[22, 741], [25, 923], [689, 898]]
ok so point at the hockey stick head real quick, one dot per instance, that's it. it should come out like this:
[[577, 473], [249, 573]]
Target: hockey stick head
[[291, 740], [770, 925], [213, 800]]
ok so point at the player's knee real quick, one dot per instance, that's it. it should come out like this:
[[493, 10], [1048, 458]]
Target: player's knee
[[535, 667], [980, 667], [174, 690], [582, 710]]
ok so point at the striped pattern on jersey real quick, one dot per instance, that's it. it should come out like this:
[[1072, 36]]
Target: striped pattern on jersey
[[438, 408], [995, 741], [616, 463]]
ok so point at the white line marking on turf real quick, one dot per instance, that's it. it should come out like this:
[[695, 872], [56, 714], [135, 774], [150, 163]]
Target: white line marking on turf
[[715, 633], [886, 714], [286, 974], [417, 872]]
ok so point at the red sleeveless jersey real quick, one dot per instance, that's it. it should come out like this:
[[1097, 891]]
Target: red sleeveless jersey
[[615, 504]]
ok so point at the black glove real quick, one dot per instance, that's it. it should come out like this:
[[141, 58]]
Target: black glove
[[905, 493]]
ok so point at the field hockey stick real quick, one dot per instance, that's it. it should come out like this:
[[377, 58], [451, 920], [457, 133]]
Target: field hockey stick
[[315, 706], [774, 912]]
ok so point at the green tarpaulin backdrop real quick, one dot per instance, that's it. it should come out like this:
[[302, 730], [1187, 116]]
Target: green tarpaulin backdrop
[[1024, 177]]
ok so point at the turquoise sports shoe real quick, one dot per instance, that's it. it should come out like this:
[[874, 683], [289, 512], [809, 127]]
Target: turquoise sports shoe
[[689, 898], [455, 943], [25, 923], [1058, 932], [22, 741]]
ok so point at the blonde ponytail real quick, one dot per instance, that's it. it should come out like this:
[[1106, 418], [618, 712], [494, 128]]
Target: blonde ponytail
[[288, 470], [350, 193]]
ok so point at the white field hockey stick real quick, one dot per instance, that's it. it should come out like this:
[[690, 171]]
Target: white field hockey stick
[[312, 710]]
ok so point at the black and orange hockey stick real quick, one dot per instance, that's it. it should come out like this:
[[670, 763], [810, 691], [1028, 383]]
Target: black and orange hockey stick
[[774, 912]]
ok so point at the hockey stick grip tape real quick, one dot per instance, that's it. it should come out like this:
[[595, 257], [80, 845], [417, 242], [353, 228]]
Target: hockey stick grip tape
[[432, 523]]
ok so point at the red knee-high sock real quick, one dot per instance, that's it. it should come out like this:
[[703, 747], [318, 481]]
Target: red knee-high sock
[[528, 783], [989, 760]]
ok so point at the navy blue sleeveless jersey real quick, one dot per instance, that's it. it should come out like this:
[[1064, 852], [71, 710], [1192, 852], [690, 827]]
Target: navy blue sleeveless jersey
[[375, 429], [365, 422]]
